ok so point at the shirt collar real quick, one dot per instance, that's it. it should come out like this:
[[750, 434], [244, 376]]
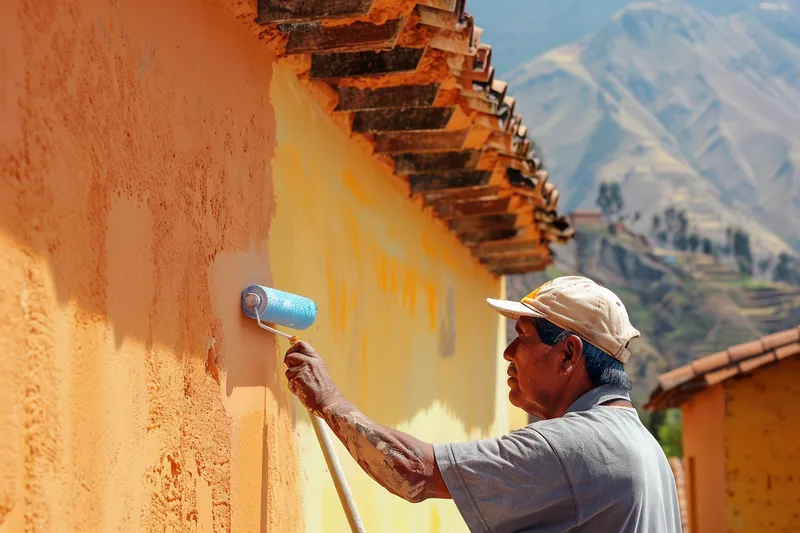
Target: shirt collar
[[598, 395]]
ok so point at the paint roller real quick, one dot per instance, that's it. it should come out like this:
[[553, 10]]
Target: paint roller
[[265, 304]]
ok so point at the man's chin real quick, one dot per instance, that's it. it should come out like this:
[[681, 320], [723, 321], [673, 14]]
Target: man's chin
[[513, 397]]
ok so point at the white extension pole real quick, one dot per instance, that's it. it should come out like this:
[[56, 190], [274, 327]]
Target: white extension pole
[[339, 481]]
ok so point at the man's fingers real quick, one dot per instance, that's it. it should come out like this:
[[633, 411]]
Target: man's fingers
[[294, 371], [297, 358], [303, 347]]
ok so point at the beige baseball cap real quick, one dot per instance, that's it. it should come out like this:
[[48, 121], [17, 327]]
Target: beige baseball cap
[[580, 305]]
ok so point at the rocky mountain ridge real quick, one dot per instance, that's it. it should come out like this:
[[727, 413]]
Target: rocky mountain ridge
[[683, 108]]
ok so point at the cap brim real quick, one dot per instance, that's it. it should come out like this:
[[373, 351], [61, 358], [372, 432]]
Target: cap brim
[[512, 310]]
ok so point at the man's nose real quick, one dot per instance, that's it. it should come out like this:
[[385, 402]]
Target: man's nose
[[508, 353]]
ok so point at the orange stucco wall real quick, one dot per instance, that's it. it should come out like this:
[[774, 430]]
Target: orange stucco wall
[[153, 162], [762, 443], [136, 147], [704, 460]]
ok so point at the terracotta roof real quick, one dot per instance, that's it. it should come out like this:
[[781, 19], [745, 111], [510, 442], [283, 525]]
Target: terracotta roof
[[679, 385], [415, 80]]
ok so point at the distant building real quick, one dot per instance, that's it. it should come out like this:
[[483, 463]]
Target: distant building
[[741, 439], [586, 218]]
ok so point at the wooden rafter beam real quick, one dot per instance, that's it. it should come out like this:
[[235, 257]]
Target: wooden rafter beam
[[354, 98], [482, 104], [445, 5], [272, 11], [307, 38], [448, 180], [401, 119], [434, 197], [363, 64], [413, 163], [452, 210], [437, 18], [458, 40], [419, 141]]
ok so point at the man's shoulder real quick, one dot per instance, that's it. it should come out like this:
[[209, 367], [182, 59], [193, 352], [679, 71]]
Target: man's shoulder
[[614, 427]]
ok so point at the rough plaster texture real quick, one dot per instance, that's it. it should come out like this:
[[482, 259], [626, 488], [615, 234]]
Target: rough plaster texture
[[134, 204], [153, 164], [762, 450]]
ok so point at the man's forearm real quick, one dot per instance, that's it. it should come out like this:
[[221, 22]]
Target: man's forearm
[[402, 464]]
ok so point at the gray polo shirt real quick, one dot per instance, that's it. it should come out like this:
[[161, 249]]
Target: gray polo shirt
[[597, 468]]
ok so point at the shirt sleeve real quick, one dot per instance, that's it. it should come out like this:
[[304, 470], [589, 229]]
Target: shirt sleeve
[[508, 483]]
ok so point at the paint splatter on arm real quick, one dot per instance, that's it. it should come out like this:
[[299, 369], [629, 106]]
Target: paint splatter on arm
[[401, 463]]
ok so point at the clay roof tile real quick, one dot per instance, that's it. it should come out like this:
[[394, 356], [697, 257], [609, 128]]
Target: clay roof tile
[[710, 362], [719, 376], [680, 384], [782, 338], [787, 351], [676, 377], [755, 362], [748, 349]]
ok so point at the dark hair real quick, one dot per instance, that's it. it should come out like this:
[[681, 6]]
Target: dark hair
[[601, 367]]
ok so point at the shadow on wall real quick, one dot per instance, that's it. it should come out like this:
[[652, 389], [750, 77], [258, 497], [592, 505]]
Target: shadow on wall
[[129, 167]]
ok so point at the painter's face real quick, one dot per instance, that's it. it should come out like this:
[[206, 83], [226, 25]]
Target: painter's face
[[534, 375]]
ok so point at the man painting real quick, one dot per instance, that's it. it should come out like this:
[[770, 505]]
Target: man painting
[[587, 463]]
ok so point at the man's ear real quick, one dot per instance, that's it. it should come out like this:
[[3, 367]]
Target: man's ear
[[573, 349]]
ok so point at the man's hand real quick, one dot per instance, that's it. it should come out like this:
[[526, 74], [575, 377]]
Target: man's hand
[[402, 464], [308, 378]]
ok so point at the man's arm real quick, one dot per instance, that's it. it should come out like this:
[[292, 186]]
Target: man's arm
[[401, 463]]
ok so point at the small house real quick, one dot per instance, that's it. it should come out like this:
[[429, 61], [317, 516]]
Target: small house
[[741, 439]]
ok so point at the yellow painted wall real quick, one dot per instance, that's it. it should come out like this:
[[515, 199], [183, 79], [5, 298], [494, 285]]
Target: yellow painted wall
[[762, 444], [704, 460], [403, 323]]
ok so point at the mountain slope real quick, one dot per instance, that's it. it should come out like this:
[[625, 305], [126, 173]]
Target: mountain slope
[[682, 107], [686, 305], [519, 30]]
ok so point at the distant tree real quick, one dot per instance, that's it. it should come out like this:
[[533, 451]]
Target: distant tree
[[656, 223], [604, 200], [764, 264], [708, 246], [741, 251], [683, 222], [610, 200], [670, 434], [728, 250], [663, 237], [783, 271], [671, 219], [617, 200], [680, 241], [694, 242]]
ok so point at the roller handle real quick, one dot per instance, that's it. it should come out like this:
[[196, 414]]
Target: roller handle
[[345, 496], [321, 429]]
